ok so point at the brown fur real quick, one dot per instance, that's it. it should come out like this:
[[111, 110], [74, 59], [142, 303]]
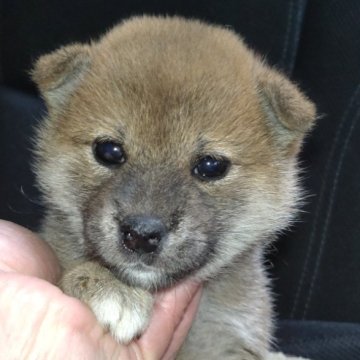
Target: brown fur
[[171, 90]]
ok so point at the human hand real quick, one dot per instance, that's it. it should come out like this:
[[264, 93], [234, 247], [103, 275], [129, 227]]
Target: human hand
[[38, 321]]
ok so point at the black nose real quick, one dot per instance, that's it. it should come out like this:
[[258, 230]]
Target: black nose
[[142, 233]]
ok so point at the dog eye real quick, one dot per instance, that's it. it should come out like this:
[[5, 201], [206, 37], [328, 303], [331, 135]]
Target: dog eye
[[108, 152], [211, 168]]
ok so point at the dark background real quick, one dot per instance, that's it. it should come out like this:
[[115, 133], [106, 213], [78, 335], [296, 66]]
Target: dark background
[[315, 267]]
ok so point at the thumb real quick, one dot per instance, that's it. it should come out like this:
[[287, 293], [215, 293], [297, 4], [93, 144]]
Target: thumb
[[174, 312], [23, 252]]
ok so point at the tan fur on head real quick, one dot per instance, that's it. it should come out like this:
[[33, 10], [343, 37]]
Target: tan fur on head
[[170, 93], [58, 73]]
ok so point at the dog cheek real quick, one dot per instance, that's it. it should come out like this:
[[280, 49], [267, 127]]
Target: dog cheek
[[99, 217]]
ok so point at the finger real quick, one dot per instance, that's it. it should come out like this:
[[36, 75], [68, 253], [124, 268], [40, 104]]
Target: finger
[[169, 310], [23, 252], [183, 327]]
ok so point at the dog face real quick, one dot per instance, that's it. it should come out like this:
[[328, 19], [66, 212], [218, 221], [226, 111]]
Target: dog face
[[169, 148]]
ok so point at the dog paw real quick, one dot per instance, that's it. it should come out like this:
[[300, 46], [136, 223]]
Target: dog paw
[[123, 310], [126, 316]]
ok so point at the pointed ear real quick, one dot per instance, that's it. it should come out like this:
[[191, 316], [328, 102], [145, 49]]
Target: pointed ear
[[290, 113], [58, 73]]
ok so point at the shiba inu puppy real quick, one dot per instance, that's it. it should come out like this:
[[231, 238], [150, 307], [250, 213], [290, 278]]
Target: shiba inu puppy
[[168, 152]]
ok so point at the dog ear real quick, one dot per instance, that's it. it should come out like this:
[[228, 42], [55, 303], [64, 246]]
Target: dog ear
[[57, 74], [289, 113]]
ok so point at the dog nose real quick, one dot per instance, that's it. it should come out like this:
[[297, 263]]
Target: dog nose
[[142, 233]]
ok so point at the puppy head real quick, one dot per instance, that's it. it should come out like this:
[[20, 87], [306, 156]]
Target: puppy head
[[169, 148]]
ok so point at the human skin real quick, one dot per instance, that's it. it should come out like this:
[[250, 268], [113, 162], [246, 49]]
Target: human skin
[[38, 321]]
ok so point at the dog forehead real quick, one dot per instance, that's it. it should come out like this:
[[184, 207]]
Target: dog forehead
[[175, 86], [169, 84], [178, 119], [148, 59]]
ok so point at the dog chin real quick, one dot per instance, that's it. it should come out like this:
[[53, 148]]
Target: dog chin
[[146, 277]]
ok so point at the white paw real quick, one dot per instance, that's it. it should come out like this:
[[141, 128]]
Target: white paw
[[124, 318], [281, 356]]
